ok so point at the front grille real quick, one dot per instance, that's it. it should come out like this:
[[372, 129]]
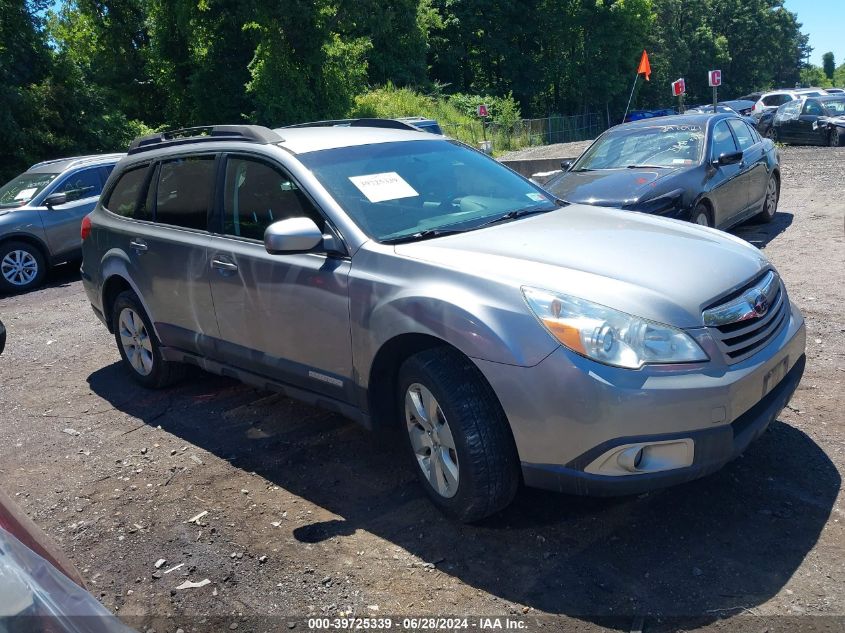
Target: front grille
[[738, 329]]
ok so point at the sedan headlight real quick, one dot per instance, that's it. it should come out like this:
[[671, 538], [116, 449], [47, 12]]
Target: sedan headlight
[[610, 336]]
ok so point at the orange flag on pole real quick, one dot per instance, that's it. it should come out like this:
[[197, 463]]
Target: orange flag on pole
[[645, 67]]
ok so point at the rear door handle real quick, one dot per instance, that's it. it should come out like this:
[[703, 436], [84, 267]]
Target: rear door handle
[[138, 245], [220, 264]]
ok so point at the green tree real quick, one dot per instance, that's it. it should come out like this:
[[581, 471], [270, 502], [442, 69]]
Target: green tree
[[828, 65]]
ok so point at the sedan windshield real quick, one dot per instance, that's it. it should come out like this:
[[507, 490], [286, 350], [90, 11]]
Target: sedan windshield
[[420, 189], [23, 188], [645, 146]]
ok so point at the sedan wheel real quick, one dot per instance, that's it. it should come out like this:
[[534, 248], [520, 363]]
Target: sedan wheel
[[431, 440], [770, 133], [835, 138], [701, 216], [770, 204], [135, 341]]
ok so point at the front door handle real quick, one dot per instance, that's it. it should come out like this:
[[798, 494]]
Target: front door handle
[[138, 245], [220, 264]]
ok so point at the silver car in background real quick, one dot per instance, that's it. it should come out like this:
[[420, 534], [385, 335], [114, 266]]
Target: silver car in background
[[40, 215], [408, 281]]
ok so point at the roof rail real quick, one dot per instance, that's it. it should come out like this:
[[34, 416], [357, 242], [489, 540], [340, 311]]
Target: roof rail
[[75, 161], [206, 133], [371, 122]]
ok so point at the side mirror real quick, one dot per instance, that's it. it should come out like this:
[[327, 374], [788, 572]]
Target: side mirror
[[729, 158], [566, 165], [294, 235], [55, 200]]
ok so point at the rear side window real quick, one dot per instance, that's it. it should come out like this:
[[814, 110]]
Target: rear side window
[[723, 140], [184, 192], [85, 183], [743, 133], [123, 199]]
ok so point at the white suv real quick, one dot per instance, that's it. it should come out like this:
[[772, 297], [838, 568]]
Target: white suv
[[773, 100]]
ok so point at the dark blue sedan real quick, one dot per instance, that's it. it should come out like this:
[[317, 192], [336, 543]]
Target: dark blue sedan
[[711, 169]]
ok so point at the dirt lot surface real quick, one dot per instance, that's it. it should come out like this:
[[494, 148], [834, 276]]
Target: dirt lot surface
[[557, 150], [308, 514]]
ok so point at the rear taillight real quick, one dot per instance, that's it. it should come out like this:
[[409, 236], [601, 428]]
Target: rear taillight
[[85, 229]]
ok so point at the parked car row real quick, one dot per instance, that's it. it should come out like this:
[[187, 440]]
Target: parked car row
[[408, 281]]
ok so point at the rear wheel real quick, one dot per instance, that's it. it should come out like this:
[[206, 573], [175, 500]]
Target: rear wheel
[[701, 215], [770, 203], [458, 435], [139, 348], [770, 133], [22, 267]]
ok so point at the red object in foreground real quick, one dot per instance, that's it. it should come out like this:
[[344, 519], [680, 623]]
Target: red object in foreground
[[644, 68], [85, 229], [679, 87], [482, 110]]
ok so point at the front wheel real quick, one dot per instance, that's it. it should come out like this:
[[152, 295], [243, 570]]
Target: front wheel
[[770, 203], [701, 215], [139, 348], [22, 267], [835, 138], [458, 435]]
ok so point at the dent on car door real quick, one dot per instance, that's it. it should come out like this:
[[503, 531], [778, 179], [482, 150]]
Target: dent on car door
[[61, 222], [285, 316], [728, 193]]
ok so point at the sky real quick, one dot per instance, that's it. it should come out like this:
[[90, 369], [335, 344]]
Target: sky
[[822, 21]]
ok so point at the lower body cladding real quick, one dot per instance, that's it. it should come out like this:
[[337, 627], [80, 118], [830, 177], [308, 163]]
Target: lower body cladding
[[585, 428]]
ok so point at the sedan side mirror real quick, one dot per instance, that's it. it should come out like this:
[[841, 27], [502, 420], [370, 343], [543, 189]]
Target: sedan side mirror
[[55, 200], [566, 165], [294, 235], [729, 158]]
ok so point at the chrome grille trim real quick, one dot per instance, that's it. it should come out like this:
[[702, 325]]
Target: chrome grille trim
[[740, 329]]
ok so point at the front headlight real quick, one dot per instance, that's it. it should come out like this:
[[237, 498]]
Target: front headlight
[[609, 336]]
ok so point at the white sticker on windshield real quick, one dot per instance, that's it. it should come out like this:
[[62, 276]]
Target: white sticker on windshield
[[26, 194], [539, 197], [381, 187]]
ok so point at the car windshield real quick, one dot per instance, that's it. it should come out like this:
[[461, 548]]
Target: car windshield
[[834, 107], [21, 189], [418, 189], [648, 146]]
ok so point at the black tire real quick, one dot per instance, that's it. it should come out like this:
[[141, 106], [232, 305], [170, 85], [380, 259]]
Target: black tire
[[12, 252], [770, 205], [162, 373], [770, 133], [487, 462], [701, 215], [834, 139]]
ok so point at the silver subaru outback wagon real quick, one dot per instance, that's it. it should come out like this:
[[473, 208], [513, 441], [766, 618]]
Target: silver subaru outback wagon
[[408, 281]]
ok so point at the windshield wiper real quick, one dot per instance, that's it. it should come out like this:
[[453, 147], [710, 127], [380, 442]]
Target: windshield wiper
[[645, 166], [422, 235], [517, 213]]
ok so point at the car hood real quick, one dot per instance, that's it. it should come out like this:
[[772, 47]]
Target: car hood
[[611, 187], [660, 269]]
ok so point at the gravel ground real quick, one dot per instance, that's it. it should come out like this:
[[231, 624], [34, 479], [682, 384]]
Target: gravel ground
[[307, 514], [558, 150]]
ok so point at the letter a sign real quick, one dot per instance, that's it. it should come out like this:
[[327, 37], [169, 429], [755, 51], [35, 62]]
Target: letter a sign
[[715, 78]]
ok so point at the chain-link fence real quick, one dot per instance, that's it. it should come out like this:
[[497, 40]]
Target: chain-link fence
[[528, 132]]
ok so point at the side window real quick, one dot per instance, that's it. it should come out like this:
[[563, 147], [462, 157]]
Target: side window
[[775, 100], [743, 133], [754, 133], [85, 183], [813, 108], [257, 194], [123, 199], [184, 192], [723, 140]]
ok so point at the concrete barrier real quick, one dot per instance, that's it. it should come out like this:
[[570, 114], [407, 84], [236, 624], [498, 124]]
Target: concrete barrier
[[529, 166]]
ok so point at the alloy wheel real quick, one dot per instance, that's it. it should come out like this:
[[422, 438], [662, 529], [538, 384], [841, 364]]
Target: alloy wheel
[[19, 267], [701, 219], [771, 197], [135, 341], [432, 440]]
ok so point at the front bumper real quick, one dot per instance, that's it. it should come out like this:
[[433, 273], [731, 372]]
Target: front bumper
[[567, 411]]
